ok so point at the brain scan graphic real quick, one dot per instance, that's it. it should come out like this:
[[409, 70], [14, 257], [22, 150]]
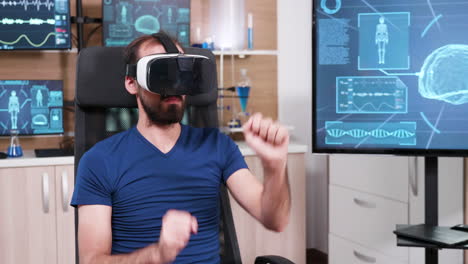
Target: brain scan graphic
[[444, 75], [147, 24]]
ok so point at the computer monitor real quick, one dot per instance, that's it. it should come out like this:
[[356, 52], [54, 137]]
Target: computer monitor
[[125, 20], [390, 77], [31, 107], [34, 24]]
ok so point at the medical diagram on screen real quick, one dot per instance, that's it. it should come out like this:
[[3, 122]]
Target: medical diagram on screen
[[31, 107], [372, 103]]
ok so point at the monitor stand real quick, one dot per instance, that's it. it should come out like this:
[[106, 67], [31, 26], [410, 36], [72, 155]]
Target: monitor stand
[[431, 202], [431, 213]]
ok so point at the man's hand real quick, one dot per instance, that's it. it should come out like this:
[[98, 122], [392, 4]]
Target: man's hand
[[177, 227], [269, 140]]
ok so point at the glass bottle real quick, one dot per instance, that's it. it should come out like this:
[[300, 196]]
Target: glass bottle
[[243, 90], [14, 150]]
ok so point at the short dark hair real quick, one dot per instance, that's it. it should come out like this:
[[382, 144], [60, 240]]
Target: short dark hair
[[131, 51]]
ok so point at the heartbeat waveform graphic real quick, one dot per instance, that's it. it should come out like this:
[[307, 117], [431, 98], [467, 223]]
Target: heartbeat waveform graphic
[[25, 3], [372, 106], [28, 40], [31, 21], [377, 94], [376, 133], [370, 95]]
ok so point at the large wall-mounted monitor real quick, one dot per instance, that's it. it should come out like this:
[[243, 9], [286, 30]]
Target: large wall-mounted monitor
[[31, 107], [34, 24], [125, 20], [390, 77]]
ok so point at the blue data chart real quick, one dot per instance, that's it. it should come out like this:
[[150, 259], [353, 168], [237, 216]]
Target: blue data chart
[[31, 107], [371, 95], [125, 20], [402, 133], [384, 41], [34, 24]]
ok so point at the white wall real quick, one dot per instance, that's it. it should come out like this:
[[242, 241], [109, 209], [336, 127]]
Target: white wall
[[295, 108]]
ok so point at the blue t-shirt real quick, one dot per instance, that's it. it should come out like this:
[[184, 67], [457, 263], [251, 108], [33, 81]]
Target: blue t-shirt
[[141, 184]]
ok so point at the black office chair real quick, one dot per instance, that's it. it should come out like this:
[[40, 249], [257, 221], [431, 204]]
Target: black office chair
[[104, 107]]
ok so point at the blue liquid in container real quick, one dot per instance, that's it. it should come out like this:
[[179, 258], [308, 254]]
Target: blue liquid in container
[[243, 93], [15, 151]]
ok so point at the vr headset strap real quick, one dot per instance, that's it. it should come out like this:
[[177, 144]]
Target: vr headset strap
[[166, 42]]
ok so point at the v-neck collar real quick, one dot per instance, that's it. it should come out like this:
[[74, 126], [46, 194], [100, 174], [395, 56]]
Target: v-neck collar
[[156, 149]]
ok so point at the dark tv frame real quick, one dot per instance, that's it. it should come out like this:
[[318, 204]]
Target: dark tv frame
[[383, 151], [41, 134], [103, 22], [70, 38]]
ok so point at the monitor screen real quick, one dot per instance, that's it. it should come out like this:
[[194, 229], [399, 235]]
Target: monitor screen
[[31, 107], [390, 77], [124, 20], [34, 24]]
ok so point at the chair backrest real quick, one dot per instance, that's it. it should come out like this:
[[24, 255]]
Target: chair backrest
[[104, 107]]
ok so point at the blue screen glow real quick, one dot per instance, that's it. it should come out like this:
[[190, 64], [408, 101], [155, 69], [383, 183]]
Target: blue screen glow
[[125, 20], [31, 107], [390, 76], [34, 24]]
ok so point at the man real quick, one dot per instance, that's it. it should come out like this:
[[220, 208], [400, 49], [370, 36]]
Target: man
[[150, 194]]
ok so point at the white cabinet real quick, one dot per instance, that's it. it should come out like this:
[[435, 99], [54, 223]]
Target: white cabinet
[[35, 224], [364, 218], [254, 240], [370, 194], [64, 185], [345, 251], [378, 175]]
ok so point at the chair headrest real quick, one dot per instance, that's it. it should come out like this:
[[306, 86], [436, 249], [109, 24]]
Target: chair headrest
[[100, 79]]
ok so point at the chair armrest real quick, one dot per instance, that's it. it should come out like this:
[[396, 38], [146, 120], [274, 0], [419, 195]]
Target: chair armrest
[[272, 260]]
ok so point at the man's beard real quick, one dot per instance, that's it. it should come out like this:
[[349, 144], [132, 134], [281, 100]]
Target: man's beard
[[159, 115]]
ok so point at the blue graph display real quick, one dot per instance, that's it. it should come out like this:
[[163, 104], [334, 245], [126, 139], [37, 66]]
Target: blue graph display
[[390, 76], [34, 24], [31, 107], [368, 95], [125, 20]]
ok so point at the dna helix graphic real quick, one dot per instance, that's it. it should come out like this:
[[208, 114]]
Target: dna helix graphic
[[376, 133], [49, 4]]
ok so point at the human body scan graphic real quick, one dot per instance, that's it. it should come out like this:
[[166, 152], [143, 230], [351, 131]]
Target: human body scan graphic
[[13, 109], [39, 98], [124, 15], [384, 41], [381, 39]]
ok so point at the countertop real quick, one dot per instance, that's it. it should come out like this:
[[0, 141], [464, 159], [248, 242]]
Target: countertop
[[29, 159]]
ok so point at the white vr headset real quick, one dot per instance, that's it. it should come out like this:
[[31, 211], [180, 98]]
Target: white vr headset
[[171, 73]]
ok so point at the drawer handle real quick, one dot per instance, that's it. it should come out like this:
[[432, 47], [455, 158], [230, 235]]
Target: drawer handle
[[65, 191], [364, 258], [364, 204], [45, 192]]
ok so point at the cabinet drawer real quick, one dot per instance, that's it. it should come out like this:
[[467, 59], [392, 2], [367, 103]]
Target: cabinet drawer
[[368, 220], [342, 251], [380, 175]]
